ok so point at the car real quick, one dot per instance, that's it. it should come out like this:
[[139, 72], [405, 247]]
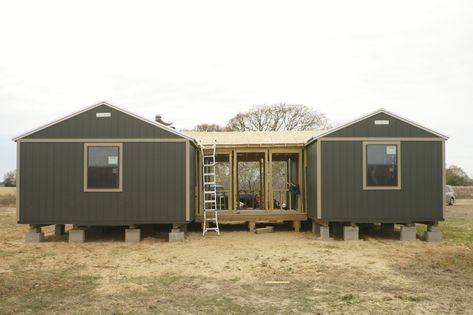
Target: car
[[450, 195]]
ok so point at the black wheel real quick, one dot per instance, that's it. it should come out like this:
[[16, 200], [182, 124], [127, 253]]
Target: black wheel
[[451, 202]]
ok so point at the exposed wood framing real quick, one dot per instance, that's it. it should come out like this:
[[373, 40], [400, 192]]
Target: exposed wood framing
[[225, 216]]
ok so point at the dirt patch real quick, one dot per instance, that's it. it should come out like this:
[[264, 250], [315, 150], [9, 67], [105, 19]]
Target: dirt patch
[[228, 274]]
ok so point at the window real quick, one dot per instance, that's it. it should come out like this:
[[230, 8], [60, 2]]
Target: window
[[381, 165], [103, 167]]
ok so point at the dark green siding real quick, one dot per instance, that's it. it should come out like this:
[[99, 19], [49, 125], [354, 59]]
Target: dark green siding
[[311, 182], [420, 197], [51, 186], [367, 128], [86, 125], [193, 181]]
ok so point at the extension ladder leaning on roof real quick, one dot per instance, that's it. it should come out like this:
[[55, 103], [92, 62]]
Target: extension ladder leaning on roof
[[209, 188]]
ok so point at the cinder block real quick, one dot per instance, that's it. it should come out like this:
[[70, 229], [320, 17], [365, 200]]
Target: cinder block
[[34, 237], [408, 233], [252, 226], [387, 229], [432, 236], [267, 229], [350, 233], [325, 234], [132, 235], [59, 229], [176, 236], [76, 236]]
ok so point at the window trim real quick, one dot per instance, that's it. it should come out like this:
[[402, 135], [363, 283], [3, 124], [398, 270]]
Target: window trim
[[365, 161], [120, 166]]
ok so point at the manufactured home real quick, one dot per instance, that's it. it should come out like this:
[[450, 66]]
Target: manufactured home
[[105, 166]]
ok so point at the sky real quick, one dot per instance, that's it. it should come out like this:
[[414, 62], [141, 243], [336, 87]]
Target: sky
[[204, 61]]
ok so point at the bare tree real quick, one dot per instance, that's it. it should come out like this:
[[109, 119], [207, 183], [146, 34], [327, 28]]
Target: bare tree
[[280, 116], [209, 127]]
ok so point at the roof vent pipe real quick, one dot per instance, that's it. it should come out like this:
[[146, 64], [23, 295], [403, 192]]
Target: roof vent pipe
[[158, 119]]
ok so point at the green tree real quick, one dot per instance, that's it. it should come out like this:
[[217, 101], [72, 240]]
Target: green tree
[[9, 179], [456, 176]]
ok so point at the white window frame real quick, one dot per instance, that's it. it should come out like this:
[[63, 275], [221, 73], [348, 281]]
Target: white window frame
[[120, 166], [365, 165]]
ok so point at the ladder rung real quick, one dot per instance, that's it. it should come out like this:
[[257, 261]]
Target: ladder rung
[[211, 229], [209, 180]]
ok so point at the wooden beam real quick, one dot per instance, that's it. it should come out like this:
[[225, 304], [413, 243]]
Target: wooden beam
[[266, 217]]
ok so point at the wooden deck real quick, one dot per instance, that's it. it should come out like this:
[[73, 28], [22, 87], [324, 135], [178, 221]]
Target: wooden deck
[[228, 216]]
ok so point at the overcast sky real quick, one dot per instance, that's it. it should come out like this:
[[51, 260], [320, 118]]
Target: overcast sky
[[205, 61]]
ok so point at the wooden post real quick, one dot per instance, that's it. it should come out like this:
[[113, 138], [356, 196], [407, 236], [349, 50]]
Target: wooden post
[[297, 226]]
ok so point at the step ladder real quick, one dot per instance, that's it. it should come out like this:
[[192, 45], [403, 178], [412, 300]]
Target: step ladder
[[209, 187]]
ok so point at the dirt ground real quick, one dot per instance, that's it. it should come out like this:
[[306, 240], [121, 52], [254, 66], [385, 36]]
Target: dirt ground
[[228, 273]]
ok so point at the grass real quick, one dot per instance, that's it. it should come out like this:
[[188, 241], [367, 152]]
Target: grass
[[459, 230], [7, 191], [7, 196], [228, 274], [41, 291]]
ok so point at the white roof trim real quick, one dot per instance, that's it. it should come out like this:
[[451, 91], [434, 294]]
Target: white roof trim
[[156, 124], [381, 110]]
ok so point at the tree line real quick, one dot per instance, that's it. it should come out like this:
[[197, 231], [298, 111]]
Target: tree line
[[272, 117]]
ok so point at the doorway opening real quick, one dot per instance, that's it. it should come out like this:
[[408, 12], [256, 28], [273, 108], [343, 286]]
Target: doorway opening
[[250, 180], [285, 188]]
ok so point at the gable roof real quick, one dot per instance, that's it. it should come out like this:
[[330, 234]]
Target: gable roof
[[156, 124], [381, 110], [253, 138]]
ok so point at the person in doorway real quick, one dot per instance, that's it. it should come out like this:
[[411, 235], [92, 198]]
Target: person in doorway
[[258, 200], [294, 190]]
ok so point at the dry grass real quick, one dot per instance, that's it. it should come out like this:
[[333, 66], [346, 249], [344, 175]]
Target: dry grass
[[7, 191], [464, 192], [7, 196], [227, 274]]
